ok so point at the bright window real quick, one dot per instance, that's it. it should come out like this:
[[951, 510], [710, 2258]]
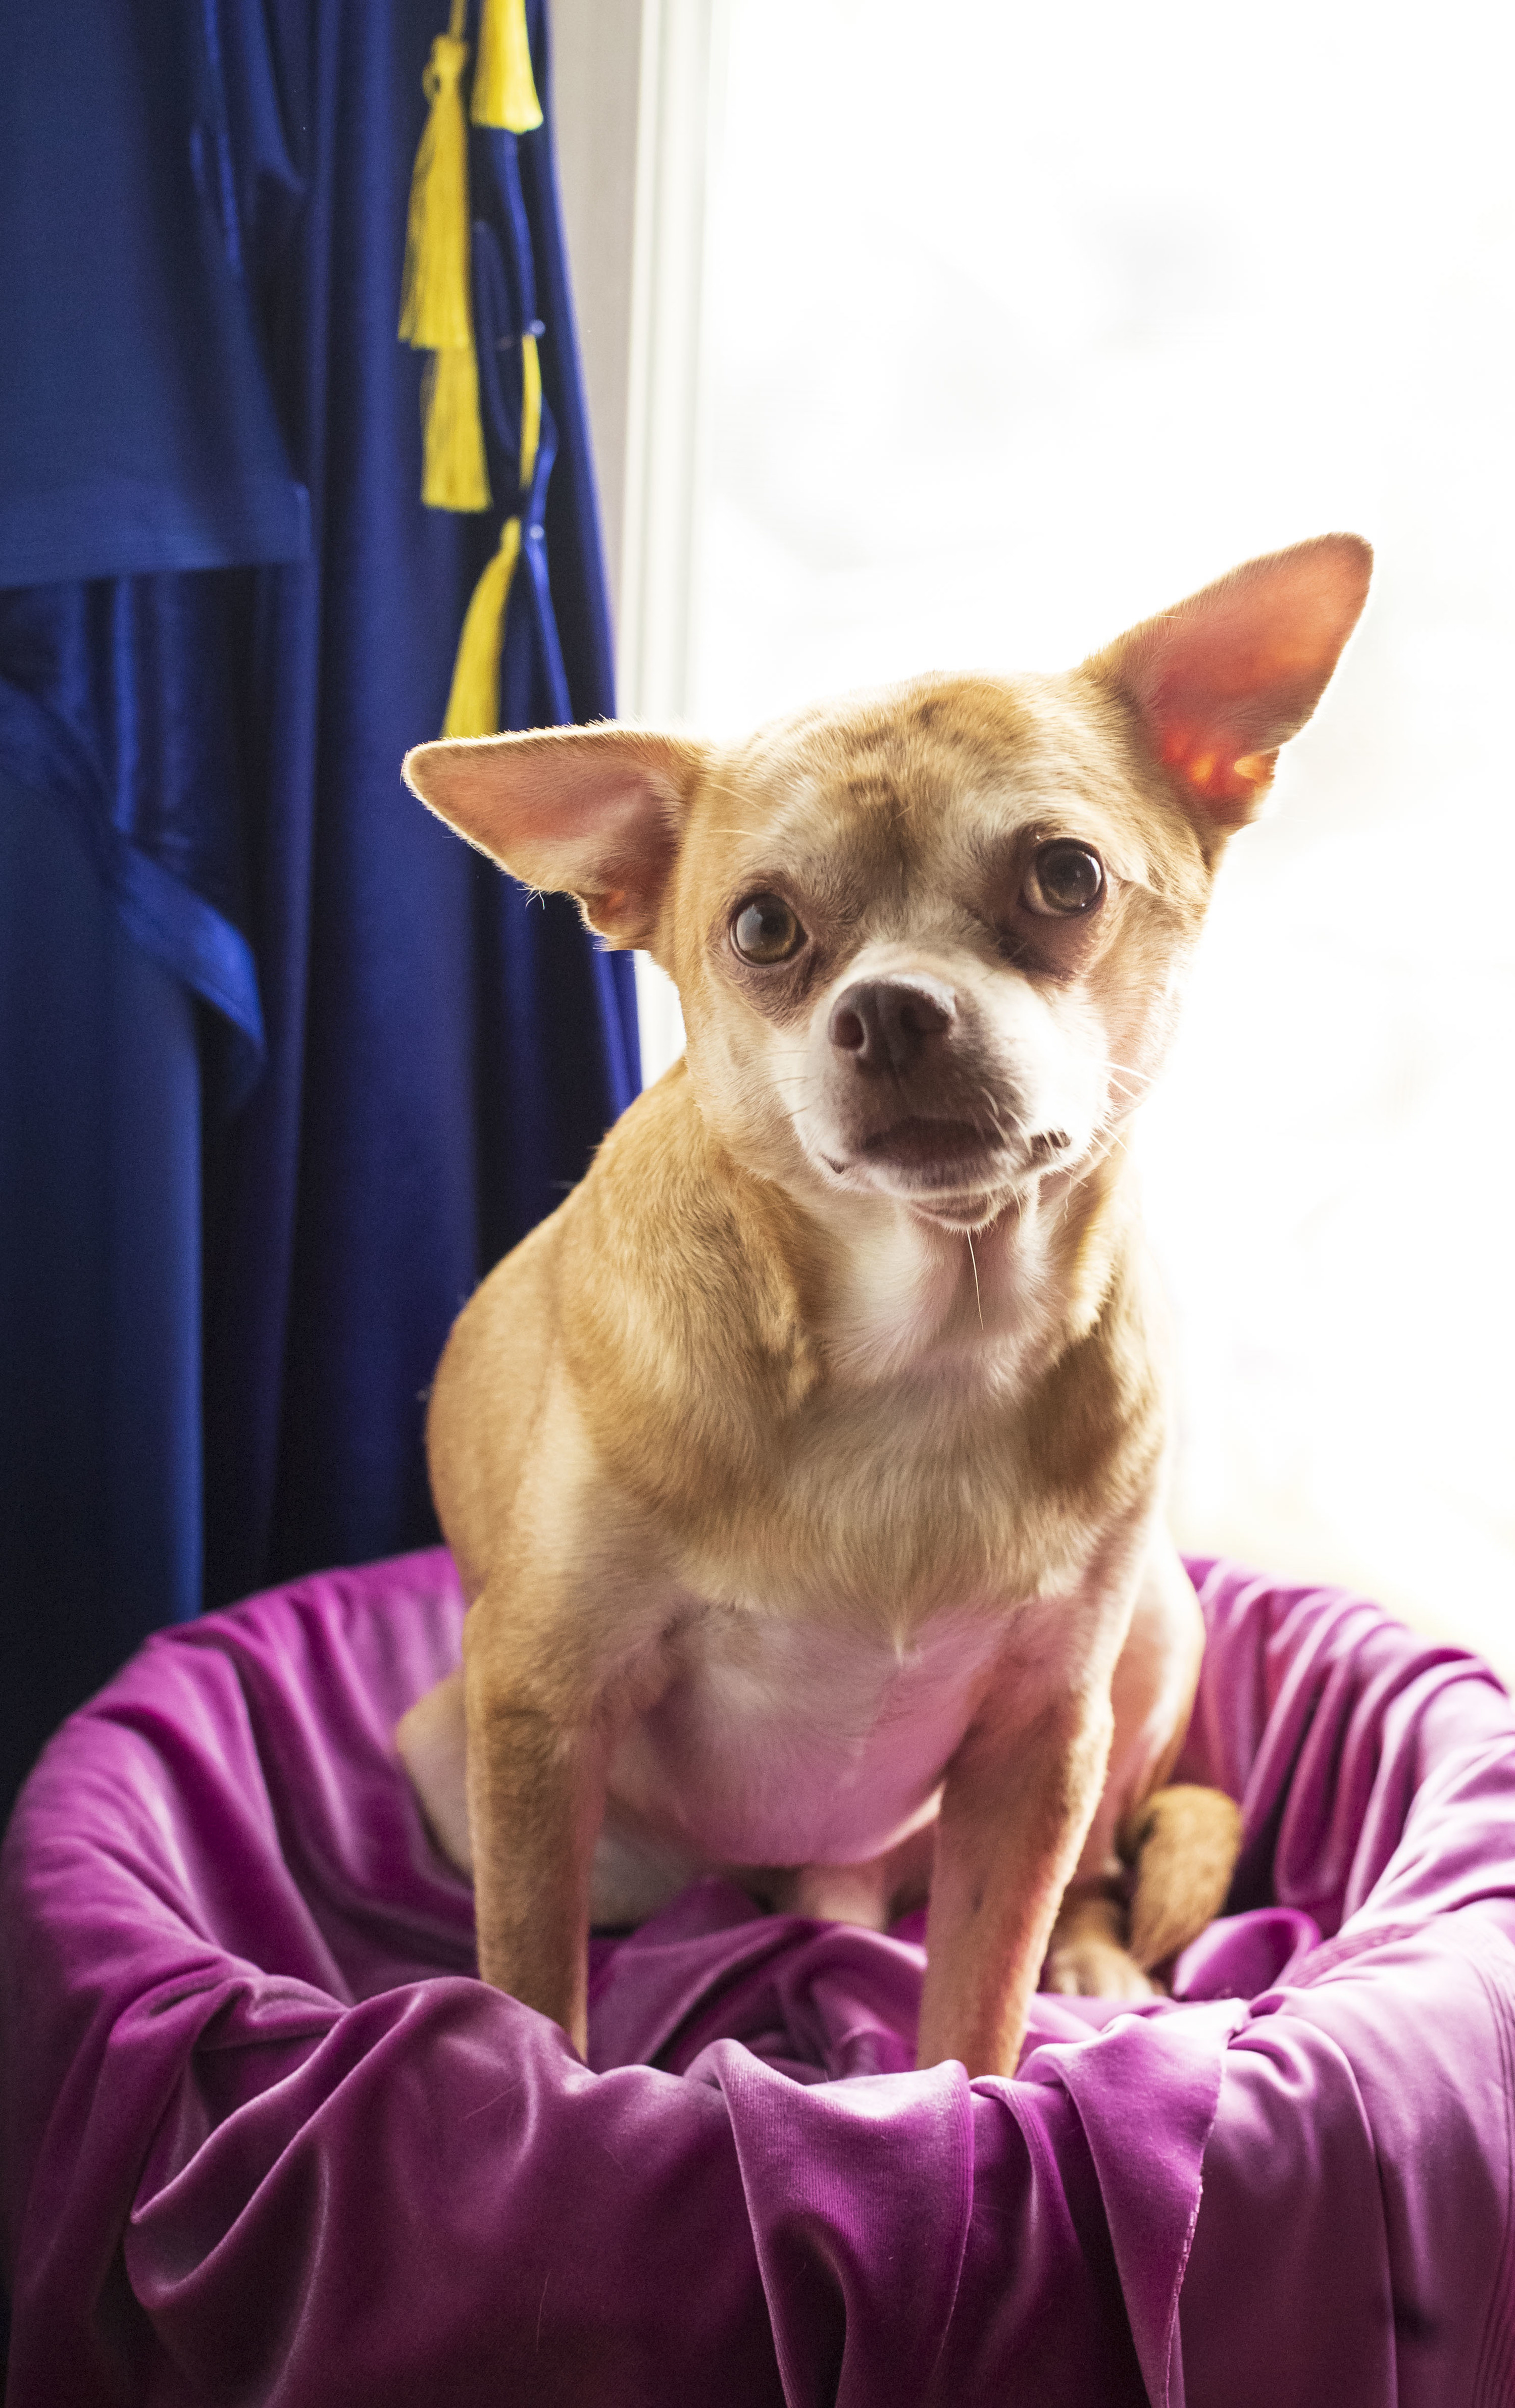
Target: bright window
[[1022, 323]]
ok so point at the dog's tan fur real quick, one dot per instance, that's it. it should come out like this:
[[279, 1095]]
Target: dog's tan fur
[[798, 1481]]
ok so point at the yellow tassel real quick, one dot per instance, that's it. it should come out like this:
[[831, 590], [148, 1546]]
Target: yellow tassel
[[453, 473], [434, 293], [436, 314], [473, 704], [504, 88]]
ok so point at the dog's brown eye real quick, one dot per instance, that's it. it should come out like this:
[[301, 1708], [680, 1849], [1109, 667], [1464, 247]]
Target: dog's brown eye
[[766, 930], [1063, 880]]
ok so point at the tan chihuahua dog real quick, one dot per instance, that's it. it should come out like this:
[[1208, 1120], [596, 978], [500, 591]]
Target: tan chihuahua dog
[[804, 1470]]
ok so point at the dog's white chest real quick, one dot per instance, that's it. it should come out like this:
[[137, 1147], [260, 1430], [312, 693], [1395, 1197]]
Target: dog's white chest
[[788, 1742]]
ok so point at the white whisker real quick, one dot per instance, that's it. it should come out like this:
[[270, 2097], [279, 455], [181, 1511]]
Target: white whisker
[[979, 1298]]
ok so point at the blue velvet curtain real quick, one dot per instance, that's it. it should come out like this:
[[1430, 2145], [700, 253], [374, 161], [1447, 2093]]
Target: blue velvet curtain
[[283, 1067]]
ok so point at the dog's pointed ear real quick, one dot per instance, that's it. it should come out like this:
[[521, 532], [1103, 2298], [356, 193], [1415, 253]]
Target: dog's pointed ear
[[594, 812], [1227, 677]]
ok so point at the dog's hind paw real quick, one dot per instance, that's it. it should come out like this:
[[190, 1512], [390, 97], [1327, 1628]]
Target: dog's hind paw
[[1181, 1844]]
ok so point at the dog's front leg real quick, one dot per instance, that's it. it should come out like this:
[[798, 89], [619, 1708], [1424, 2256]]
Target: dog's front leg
[[538, 1750], [561, 1648], [1018, 1799]]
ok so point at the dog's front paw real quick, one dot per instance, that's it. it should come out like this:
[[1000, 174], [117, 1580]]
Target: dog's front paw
[[1095, 1969], [1088, 1957]]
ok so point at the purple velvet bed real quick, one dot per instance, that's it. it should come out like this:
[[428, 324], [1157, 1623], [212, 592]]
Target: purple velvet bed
[[266, 2141]]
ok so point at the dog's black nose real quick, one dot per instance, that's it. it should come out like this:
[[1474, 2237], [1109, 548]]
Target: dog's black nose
[[884, 1024]]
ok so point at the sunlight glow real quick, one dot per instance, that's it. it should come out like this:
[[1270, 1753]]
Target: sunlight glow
[[1025, 323]]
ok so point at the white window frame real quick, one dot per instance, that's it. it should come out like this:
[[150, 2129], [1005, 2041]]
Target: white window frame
[[637, 99]]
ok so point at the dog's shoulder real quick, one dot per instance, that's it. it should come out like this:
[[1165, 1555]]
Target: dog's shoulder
[[672, 1251]]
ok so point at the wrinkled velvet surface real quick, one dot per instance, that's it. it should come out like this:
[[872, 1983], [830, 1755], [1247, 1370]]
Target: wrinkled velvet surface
[[266, 2140]]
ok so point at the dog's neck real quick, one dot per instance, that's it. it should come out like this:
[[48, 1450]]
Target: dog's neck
[[893, 1295]]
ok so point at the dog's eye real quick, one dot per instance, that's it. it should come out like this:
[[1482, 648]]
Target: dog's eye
[[1063, 880], [766, 930]]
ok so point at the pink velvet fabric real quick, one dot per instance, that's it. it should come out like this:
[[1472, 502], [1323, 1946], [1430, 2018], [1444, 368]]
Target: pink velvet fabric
[[267, 2141]]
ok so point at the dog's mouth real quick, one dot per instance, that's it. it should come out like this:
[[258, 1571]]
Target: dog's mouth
[[959, 1171], [924, 1154], [924, 1143]]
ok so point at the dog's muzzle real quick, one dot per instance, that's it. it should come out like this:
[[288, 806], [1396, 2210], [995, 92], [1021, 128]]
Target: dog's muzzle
[[907, 1087]]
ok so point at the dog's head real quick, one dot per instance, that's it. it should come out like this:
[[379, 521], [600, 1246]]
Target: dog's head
[[928, 941]]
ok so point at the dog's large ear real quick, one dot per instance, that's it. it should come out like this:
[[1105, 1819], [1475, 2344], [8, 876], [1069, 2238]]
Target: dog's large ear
[[1224, 679], [594, 812]]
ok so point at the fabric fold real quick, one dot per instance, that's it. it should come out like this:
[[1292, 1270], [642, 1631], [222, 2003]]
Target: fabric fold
[[168, 917], [126, 125], [1157, 2078], [859, 2202]]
